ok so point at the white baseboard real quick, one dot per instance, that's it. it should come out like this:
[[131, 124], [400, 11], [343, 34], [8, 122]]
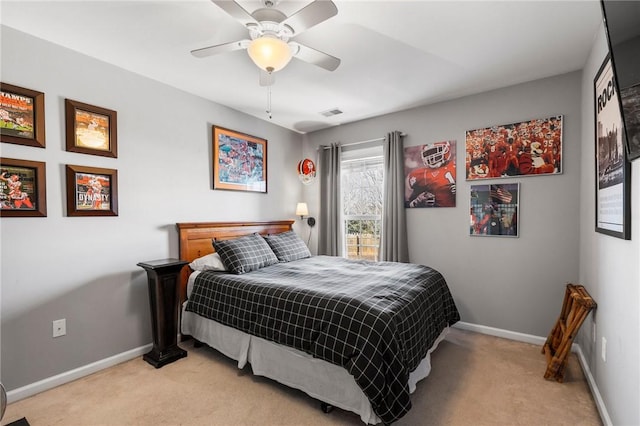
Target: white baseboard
[[498, 332], [537, 340], [602, 409], [69, 376]]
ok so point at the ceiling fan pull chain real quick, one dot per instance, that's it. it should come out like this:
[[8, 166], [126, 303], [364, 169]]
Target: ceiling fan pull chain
[[269, 102]]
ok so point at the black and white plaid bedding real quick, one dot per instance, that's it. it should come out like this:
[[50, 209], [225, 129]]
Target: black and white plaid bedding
[[376, 319]]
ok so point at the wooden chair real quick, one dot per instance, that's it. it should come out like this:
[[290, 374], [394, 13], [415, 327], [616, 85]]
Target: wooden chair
[[576, 306]]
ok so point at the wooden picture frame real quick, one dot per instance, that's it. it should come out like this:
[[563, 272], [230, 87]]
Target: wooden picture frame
[[21, 116], [91, 191], [91, 129], [494, 210], [613, 170], [526, 148], [239, 161], [23, 188]]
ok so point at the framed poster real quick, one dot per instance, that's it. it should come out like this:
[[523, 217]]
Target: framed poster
[[91, 191], [613, 171], [239, 161], [630, 97], [91, 129], [430, 175], [494, 210], [526, 148], [21, 116], [22, 188]]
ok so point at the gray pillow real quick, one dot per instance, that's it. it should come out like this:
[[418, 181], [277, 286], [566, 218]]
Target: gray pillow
[[245, 254], [288, 246]]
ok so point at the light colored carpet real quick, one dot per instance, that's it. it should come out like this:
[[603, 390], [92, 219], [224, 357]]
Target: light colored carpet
[[476, 380]]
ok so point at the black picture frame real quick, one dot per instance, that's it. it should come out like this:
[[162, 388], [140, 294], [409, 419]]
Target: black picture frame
[[622, 27], [613, 169]]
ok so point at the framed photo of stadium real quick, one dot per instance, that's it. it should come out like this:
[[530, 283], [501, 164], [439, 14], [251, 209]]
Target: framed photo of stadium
[[91, 191], [239, 161], [613, 170], [494, 210], [430, 175], [91, 129], [526, 148], [23, 191], [21, 116]]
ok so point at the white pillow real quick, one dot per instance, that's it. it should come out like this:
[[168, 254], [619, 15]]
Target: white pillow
[[209, 262]]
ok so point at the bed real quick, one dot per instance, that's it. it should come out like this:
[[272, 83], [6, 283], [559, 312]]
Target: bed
[[360, 343]]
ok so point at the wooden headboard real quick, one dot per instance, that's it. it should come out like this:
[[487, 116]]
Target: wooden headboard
[[196, 240]]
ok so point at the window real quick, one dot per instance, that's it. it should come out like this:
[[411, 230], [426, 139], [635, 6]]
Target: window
[[362, 174]]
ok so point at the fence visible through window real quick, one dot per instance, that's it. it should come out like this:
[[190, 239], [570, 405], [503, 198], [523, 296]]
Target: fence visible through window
[[362, 180], [363, 238]]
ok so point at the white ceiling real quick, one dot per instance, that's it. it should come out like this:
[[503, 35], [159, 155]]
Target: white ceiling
[[395, 54]]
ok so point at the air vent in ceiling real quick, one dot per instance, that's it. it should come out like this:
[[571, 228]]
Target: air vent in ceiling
[[329, 113]]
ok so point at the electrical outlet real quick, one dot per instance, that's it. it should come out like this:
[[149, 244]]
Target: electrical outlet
[[59, 327], [604, 349]]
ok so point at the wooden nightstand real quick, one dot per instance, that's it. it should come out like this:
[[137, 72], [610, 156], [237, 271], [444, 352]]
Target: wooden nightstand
[[163, 277]]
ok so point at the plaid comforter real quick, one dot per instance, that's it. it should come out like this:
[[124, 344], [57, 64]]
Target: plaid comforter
[[376, 319]]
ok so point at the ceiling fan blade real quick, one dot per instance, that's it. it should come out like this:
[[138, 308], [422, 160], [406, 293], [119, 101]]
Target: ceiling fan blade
[[236, 11], [220, 48], [310, 15], [266, 79], [315, 57]]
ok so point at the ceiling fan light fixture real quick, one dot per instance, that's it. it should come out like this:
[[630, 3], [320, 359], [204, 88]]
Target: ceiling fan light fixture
[[269, 53]]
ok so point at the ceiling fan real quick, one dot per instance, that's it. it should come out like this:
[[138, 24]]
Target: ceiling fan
[[270, 31]]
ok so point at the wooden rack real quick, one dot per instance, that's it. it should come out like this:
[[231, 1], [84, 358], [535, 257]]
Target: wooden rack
[[575, 308]]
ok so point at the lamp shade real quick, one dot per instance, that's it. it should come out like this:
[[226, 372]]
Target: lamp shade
[[269, 53], [302, 209]]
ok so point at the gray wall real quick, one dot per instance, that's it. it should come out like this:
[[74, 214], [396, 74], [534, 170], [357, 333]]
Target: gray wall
[[610, 270], [49, 266], [84, 268], [518, 284], [515, 284]]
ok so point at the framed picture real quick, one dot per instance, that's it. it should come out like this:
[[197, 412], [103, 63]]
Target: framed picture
[[239, 161], [21, 116], [91, 129], [23, 190], [613, 171], [494, 210], [430, 175], [91, 191], [527, 148], [630, 97]]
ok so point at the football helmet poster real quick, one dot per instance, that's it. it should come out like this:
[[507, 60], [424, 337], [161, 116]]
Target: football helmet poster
[[430, 175], [527, 148]]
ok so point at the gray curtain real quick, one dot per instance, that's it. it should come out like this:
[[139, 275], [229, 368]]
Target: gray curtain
[[330, 229], [393, 244]]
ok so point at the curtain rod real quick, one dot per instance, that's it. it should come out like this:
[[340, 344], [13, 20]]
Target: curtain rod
[[367, 141]]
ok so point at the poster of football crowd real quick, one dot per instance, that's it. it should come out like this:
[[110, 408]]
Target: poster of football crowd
[[531, 147]]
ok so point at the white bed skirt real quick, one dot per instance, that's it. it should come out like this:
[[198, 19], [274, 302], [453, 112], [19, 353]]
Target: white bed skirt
[[317, 378]]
